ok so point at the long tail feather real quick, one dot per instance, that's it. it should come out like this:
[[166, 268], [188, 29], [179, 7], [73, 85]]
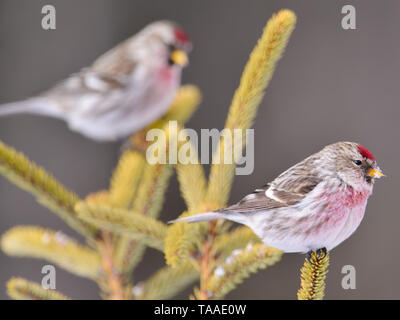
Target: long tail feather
[[208, 216], [39, 106], [214, 215]]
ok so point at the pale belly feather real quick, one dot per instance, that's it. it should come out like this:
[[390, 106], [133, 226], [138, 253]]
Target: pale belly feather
[[322, 220]]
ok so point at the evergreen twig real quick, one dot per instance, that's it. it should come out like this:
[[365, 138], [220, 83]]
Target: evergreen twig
[[21, 289], [313, 276]]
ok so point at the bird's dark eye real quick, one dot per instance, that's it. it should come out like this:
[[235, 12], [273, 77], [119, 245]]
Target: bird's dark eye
[[171, 47], [358, 162]]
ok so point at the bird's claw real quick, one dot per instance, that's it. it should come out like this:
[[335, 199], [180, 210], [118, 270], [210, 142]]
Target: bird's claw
[[308, 257], [321, 254]]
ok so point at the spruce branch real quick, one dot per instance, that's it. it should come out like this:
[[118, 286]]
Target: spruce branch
[[135, 225], [126, 178], [124, 217], [99, 197], [238, 238], [181, 240], [247, 98], [238, 266], [313, 276], [56, 247], [148, 199], [207, 260], [192, 179], [124, 187], [21, 289], [128, 254], [166, 282], [112, 283], [150, 196], [48, 191]]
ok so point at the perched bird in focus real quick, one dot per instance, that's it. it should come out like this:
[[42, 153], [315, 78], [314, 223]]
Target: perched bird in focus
[[124, 90], [313, 206]]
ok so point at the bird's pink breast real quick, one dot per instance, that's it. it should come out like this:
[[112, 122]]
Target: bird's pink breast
[[167, 75], [342, 201], [340, 216]]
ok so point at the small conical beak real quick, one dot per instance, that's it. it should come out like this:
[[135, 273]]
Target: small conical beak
[[375, 173], [179, 57]]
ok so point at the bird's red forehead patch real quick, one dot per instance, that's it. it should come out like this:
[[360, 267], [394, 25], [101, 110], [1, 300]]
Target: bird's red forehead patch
[[181, 36], [365, 152]]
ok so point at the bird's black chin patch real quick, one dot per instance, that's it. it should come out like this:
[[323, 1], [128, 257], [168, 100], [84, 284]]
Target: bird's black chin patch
[[368, 179]]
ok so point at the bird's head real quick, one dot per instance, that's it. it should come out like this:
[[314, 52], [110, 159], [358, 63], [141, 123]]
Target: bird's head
[[162, 42], [353, 164]]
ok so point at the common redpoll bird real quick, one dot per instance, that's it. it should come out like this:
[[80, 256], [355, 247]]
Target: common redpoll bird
[[124, 90], [313, 206]]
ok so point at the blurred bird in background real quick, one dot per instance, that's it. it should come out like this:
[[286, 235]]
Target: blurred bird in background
[[124, 90], [313, 206]]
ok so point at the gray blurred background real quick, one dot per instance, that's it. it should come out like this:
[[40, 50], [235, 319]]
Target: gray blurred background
[[332, 84]]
